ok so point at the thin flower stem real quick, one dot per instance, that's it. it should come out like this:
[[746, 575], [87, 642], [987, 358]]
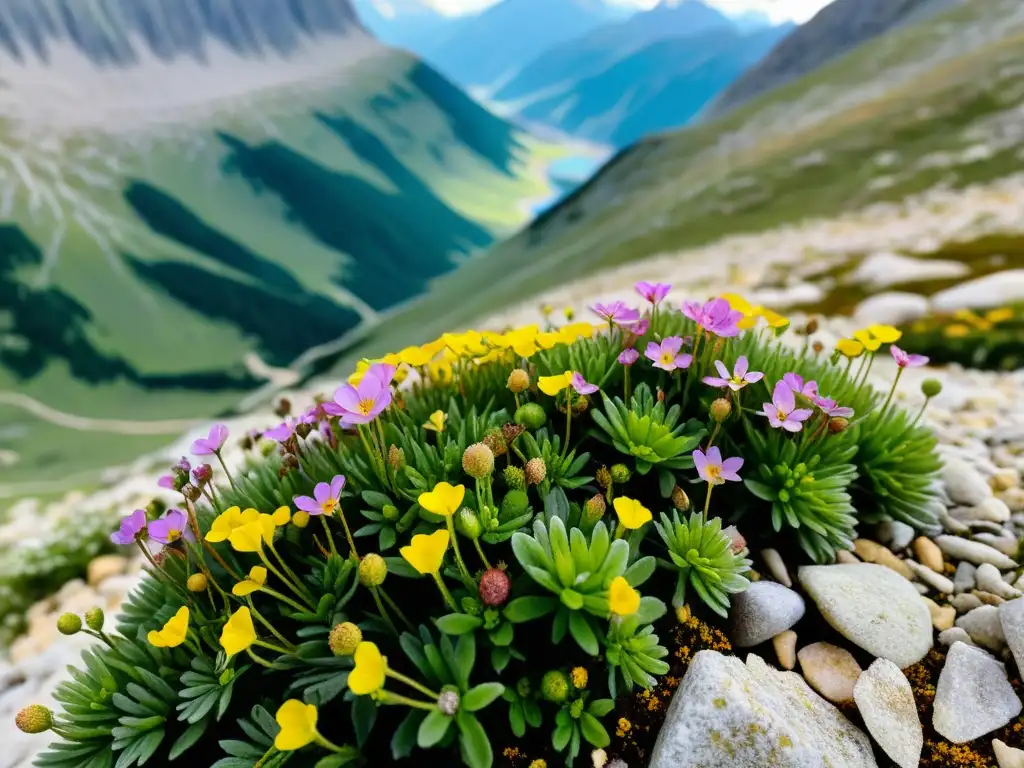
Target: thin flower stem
[[258, 659], [620, 529], [327, 532], [480, 551], [892, 390], [394, 607], [220, 560], [160, 572], [323, 742], [714, 434], [272, 647], [266, 755], [849, 366], [371, 453], [288, 571], [270, 626], [387, 697], [516, 396], [383, 611], [568, 422], [445, 593], [348, 533], [707, 504], [99, 636], [225, 468], [627, 388], [411, 683], [920, 413], [292, 587], [466, 578]]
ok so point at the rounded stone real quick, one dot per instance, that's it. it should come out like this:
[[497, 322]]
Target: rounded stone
[[886, 702], [761, 612], [832, 671], [873, 607], [973, 696]]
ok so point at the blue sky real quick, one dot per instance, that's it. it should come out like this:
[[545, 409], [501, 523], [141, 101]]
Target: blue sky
[[779, 10]]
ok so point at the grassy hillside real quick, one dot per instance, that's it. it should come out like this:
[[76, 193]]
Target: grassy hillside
[[930, 104]]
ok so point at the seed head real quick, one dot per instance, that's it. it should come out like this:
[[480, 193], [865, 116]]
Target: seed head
[[468, 523], [594, 508], [682, 613], [34, 718], [345, 638], [580, 403], [931, 387], [511, 431], [478, 461], [519, 380], [515, 478], [680, 501], [536, 470], [69, 624], [495, 441], [531, 416], [837, 424], [554, 686], [621, 473], [818, 347], [191, 492], [197, 582], [540, 762], [266, 447], [448, 702], [391, 513], [283, 407], [94, 619], [603, 477], [812, 326], [396, 457], [372, 570], [494, 587], [579, 677], [721, 409], [302, 429]]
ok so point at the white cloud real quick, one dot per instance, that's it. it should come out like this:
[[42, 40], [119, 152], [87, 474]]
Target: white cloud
[[778, 10]]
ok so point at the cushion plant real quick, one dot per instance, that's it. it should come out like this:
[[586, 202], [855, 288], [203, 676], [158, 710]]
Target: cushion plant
[[480, 541]]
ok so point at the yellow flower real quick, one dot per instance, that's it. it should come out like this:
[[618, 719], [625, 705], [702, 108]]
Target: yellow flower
[[436, 421], [239, 633], [522, 341], [774, 319], [444, 500], [739, 303], [440, 371], [965, 314], [552, 385], [415, 356], [956, 330], [426, 552], [257, 578], [468, 344], [850, 348], [632, 514], [546, 309], [357, 376], [298, 725], [251, 536], [281, 516], [1000, 315], [570, 313], [575, 331], [300, 519], [622, 598], [865, 337], [368, 675], [228, 521], [174, 631], [886, 334]]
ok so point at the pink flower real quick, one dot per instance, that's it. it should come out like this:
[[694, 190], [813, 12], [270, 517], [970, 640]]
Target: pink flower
[[782, 411], [640, 327], [616, 312], [133, 528], [282, 432], [740, 376], [325, 497], [166, 481], [653, 292], [713, 470], [581, 386], [716, 316], [628, 356], [667, 356], [905, 360], [829, 407], [171, 527], [363, 403], [328, 434], [796, 383], [212, 443]]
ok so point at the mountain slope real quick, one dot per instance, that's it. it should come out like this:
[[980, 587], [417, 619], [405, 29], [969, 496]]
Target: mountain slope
[[484, 48], [661, 86], [837, 28], [408, 24], [586, 55], [190, 187]]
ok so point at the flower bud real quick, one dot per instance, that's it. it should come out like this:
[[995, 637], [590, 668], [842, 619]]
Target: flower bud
[[721, 409], [303, 429], [579, 677], [345, 638], [467, 522], [300, 519], [536, 470], [283, 407], [818, 347], [69, 624], [812, 326], [837, 424], [266, 447], [495, 441], [155, 509], [197, 582], [518, 380], [580, 403], [191, 492], [680, 501], [34, 718], [478, 461], [494, 587], [396, 457], [448, 702], [245, 442], [661, 395], [594, 508], [531, 416], [515, 478], [372, 570], [94, 619], [182, 466], [554, 686], [390, 512], [736, 540], [524, 688], [931, 387], [682, 613], [621, 473], [603, 477], [202, 474], [514, 504], [511, 431]]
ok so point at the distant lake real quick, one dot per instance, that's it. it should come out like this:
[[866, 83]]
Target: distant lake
[[567, 173]]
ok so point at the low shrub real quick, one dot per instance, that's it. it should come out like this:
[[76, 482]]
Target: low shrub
[[490, 553]]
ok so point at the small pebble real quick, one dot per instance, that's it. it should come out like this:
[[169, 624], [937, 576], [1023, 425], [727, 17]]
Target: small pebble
[[895, 535], [963, 580], [845, 557], [987, 598], [952, 525], [992, 509], [776, 567], [1005, 542], [832, 671], [934, 580], [984, 627], [867, 550], [928, 553], [989, 579], [886, 702], [965, 602], [943, 616], [1005, 479], [785, 648], [973, 696], [1006, 756], [955, 635], [973, 551]]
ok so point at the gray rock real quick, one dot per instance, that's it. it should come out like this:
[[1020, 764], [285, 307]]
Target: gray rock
[[886, 702], [1004, 542], [1011, 618], [752, 716], [984, 627], [873, 607], [989, 579], [965, 602], [761, 612], [973, 551], [964, 578], [926, 575], [954, 635], [964, 483], [973, 696], [952, 525], [895, 535], [991, 510]]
